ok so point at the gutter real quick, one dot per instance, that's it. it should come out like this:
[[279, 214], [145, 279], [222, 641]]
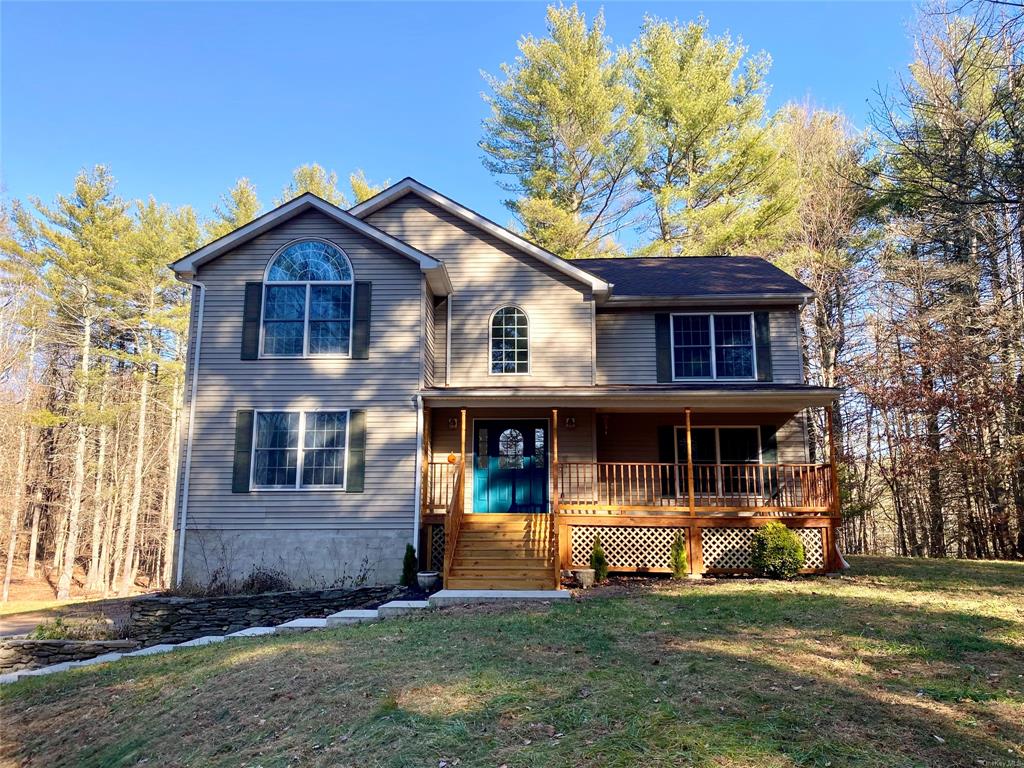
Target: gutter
[[724, 299], [197, 339], [418, 485]]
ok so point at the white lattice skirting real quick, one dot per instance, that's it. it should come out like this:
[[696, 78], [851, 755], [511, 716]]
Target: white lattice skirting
[[625, 547], [437, 547], [729, 548]]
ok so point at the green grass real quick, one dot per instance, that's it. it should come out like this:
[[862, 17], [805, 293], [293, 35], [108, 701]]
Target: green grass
[[904, 663]]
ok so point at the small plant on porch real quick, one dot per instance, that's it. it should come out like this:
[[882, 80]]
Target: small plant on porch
[[776, 552], [409, 567], [677, 555], [598, 561]]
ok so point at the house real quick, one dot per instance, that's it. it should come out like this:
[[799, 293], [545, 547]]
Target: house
[[410, 372]]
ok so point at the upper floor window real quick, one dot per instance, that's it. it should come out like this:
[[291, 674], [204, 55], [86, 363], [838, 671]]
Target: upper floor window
[[713, 346], [510, 341], [307, 301]]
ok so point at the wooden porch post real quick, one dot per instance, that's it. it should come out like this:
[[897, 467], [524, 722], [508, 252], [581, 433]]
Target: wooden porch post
[[834, 468], [554, 457], [555, 543], [689, 460], [462, 440]]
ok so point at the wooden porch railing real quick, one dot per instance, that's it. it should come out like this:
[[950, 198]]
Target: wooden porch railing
[[439, 486], [774, 489], [453, 518]]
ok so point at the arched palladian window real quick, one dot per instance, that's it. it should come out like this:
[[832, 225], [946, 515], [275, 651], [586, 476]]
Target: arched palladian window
[[307, 301], [510, 341]]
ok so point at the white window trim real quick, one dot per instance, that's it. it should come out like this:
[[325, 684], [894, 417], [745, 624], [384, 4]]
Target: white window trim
[[301, 450], [490, 343], [309, 288], [714, 361]]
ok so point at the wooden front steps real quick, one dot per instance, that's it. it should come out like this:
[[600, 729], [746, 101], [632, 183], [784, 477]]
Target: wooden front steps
[[496, 551]]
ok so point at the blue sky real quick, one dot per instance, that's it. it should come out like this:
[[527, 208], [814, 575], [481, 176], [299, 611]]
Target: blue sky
[[181, 99]]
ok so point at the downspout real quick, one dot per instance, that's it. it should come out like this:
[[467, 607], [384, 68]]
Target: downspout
[[418, 485], [198, 341]]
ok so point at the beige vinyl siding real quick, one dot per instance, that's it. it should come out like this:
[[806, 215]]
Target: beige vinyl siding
[[383, 385], [625, 348], [487, 274], [626, 352], [787, 357], [440, 321], [429, 338], [791, 439]]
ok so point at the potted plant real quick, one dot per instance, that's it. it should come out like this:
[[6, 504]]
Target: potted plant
[[428, 580]]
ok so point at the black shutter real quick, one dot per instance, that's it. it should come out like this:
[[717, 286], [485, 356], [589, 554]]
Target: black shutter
[[663, 345], [354, 475], [251, 321], [763, 345], [362, 292], [667, 455], [243, 452]]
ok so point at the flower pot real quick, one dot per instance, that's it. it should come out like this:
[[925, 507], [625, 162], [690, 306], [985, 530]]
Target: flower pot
[[584, 577], [428, 580]]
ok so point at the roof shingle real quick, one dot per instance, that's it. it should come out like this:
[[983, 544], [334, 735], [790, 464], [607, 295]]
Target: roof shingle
[[696, 276]]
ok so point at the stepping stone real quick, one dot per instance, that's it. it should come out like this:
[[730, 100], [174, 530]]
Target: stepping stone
[[462, 596], [401, 607], [51, 669], [162, 648], [205, 640], [253, 632], [352, 616], [301, 625], [12, 677], [97, 660]]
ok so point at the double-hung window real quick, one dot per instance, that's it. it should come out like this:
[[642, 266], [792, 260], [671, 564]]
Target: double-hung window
[[713, 346], [300, 449], [307, 301]]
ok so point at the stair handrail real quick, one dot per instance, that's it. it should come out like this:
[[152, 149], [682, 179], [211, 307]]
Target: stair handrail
[[453, 519]]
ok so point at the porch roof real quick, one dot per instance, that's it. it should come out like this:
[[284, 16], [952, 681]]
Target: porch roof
[[750, 397]]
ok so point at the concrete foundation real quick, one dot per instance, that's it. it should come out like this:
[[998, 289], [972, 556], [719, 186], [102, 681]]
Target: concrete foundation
[[316, 559]]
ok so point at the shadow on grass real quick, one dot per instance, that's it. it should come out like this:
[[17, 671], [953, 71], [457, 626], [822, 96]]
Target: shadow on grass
[[704, 678], [995, 576]]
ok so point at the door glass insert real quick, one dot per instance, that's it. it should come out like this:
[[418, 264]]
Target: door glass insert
[[510, 449]]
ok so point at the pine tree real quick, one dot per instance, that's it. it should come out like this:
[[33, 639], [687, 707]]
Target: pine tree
[[715, 179], [237, 208], [313, 178], [561, 129]]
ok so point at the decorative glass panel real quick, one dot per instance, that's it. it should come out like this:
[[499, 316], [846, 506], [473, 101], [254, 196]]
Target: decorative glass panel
[[276, 450], [510, 341], [734, 347], [538, 448], [323, 455], [510, 449], [310, 261], [481, 449], [691, 336], [284, 319], [330, 318]]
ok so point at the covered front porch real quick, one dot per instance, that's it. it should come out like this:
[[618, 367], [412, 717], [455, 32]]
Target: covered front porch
[[634, 474]]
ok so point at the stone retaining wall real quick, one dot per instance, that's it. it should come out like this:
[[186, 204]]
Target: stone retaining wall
[[164, 619], [32, 654]]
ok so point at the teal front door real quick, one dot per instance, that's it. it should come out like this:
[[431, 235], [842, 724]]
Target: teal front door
[[510, 468]]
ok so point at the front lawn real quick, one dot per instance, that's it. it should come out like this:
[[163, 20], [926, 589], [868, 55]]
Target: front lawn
[[904, 663]]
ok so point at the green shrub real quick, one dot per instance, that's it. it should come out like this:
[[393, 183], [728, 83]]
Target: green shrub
[[409, 567], [680, 566], [776, 552], [598, 561]]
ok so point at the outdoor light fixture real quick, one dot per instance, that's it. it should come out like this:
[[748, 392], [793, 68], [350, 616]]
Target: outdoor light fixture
[[570, 422], [453, 423]]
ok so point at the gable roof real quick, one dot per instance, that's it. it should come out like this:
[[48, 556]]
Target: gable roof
[[712, 279], [437, 275], [409, 185]]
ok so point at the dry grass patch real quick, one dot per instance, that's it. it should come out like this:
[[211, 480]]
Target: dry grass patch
[[901, 664]]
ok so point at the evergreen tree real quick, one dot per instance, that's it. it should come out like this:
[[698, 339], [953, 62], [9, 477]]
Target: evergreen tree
[[313, 178], [561, 128], [715, 179], [237, 208]]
